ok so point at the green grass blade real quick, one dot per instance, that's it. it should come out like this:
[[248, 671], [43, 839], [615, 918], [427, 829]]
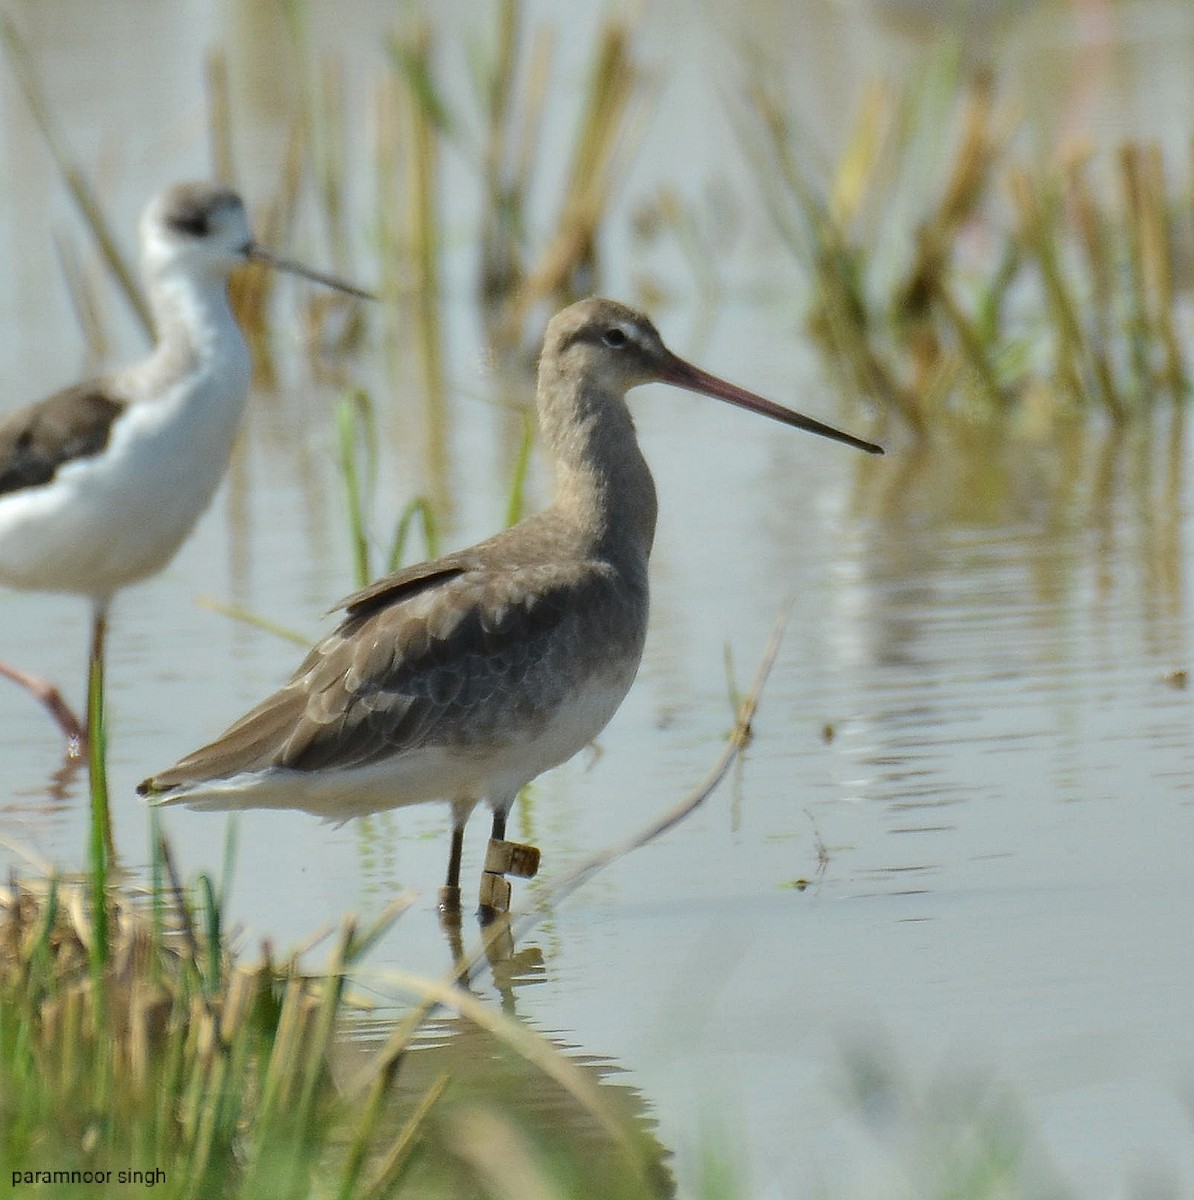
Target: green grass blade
[[518, 482], [357, 432], [419, 508], [255, 619], [101, 831]]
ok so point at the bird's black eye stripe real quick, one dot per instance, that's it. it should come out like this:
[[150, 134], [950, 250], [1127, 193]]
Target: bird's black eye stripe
[[192, 221], [615, 337]]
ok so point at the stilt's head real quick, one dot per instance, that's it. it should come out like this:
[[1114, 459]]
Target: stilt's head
[[195, 228], [201, 230], [612, 348]]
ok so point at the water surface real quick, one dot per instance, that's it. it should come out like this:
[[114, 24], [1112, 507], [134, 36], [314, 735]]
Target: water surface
[[951, 872]]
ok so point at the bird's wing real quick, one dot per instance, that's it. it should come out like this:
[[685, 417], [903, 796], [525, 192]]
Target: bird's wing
[[429, 657], [36, 440], [404, 584]]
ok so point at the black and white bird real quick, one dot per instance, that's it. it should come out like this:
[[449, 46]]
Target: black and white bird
[[101, 482]]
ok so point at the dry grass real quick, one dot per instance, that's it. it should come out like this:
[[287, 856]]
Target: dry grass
[[950, 278]]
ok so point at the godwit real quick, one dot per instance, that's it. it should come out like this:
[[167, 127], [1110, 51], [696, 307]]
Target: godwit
[[101, 482], [463, 679]]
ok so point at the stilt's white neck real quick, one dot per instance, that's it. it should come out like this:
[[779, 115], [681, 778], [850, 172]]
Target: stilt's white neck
[[197, 335]]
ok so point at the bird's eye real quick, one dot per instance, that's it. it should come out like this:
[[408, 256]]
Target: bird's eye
[[615, 337]]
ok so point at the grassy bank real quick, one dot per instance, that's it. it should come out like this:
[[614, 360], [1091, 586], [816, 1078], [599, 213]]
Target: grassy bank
[[179, 1068]]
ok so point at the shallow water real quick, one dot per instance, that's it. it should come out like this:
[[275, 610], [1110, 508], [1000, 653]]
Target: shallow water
[[950, 873]]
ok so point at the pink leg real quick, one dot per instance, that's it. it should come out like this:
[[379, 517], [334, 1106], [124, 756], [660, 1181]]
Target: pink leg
[[45, 692]]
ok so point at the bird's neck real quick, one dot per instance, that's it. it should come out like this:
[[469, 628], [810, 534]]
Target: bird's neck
[[197, 335], [604, 487]]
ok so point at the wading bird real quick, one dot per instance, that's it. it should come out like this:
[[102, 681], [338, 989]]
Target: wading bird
[[102, 482], [463, 679]]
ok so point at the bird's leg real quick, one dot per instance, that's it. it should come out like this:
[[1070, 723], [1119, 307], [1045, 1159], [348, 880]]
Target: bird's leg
[[99, 637], [51, 698], [97, 749], [449, 894], [503, 858]]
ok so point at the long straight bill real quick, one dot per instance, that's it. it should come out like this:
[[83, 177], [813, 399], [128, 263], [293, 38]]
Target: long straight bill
[[256, 254], [684, 375]]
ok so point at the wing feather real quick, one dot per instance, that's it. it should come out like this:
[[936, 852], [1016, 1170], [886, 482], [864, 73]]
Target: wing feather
[[36, 440], [429, 657]]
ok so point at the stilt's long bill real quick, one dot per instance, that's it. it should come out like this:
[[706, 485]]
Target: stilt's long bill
[[463, 679], [101, 483]]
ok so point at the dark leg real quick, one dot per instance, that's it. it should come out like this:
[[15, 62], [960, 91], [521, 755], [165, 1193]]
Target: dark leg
[[499, 826], [449, 894], [51, 698], [99, 627], [454, 856]]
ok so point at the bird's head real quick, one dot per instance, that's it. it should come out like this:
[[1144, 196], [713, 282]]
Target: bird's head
[[605, 348], [201, 230], [196, 228]]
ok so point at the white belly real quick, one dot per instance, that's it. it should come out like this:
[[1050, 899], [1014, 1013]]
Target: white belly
[[106, 521]]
